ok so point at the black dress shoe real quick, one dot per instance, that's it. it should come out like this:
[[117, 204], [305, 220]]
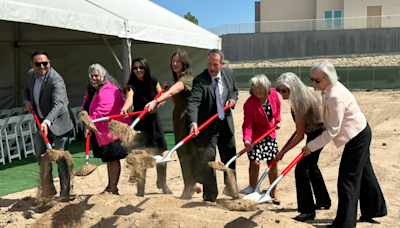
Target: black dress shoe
[[276, 202], [210, 199], [370, 220], [325, 206], [309, 216]]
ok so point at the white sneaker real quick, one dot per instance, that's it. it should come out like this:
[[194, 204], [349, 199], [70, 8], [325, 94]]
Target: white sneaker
[[247, 190]]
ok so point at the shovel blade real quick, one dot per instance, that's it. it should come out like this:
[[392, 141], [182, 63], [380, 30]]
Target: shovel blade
[[266, 198], [253, 196], [160, 159]]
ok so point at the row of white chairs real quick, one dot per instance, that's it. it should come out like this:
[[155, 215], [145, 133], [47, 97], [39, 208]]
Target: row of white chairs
[[5, 113], [16, 132]]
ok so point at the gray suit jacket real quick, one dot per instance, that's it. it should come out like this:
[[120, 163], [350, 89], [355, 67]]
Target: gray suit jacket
[[53, 101], [202, 103]]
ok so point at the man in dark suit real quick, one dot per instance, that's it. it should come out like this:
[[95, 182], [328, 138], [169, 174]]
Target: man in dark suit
[[212, 90], [46, 94]]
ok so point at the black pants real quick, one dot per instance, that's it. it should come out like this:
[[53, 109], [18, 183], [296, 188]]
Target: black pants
[[357, 181], [225, 140], [307, 171]]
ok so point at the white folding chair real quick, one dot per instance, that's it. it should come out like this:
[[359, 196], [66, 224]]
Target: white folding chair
[[11, 137], [16, 111], [5, 113], [76, 110], [3, 123], [25, 133]]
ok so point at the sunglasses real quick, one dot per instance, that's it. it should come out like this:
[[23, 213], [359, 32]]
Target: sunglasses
[[42, 63], [136, 68], [316, 80], [281, 90]]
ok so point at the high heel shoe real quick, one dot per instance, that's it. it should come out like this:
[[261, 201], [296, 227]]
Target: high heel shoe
[[309, 216], [325, 206]]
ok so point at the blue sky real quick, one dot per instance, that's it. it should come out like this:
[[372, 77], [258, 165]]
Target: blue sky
[[212, 13]]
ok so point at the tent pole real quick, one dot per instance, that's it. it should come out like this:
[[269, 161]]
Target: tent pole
[[127, 58], [16, 65], [112, 51]]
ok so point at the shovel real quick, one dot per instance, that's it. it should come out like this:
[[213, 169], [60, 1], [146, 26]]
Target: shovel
[[267, 196], [142, 113], [116, 116], [160, 159], [87, 168], [247, 148], [48, 145], [230, 183], [257, 193]]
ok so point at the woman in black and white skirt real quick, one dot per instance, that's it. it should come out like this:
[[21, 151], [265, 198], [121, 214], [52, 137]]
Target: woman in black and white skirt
[[262, 111]]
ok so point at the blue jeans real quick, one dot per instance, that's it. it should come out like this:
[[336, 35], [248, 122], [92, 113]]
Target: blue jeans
[[58, 143]]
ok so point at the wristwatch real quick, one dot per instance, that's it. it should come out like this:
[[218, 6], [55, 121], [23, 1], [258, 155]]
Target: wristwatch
[[157, 102]]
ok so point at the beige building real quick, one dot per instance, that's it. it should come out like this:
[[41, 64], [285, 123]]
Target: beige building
[[299, 15]]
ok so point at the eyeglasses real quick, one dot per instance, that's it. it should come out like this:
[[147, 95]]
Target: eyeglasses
[[281, 90], [42, 63], [136, 68], [316, 80]]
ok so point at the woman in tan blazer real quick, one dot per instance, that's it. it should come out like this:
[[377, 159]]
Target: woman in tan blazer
[[347, 126]]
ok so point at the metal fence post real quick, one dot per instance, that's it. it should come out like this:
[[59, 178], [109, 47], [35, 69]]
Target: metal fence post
[[373, 77]]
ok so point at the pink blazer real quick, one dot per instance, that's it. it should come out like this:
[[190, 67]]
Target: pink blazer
[[256, 121], [107, 102]]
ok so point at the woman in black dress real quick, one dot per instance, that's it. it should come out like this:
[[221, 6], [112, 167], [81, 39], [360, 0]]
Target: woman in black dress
[[141, 88]]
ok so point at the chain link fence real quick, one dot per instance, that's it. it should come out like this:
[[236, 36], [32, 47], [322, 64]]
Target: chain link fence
[[351, 77]]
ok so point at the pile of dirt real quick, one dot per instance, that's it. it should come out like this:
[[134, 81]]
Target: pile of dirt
[[129, 138], [138, 161], [85, 170], [83, 115], [230, 183], [52, 155]]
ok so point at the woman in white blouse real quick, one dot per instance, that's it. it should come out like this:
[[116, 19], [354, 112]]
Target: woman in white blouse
[[346, 125]]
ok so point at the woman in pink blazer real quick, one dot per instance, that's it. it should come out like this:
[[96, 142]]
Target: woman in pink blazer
[[103, 98], [262, 111]]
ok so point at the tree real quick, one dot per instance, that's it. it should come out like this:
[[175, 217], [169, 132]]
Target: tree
[[191, 18]]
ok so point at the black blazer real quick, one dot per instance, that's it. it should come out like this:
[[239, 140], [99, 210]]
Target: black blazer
[[202, 103]]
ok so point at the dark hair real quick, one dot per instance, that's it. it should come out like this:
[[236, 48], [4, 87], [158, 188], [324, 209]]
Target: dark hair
[[183, 56], [217, 52], [147, 76], [38, 53]]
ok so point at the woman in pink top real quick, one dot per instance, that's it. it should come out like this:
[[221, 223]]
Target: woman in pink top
[[103, 98], [347, 126], [262, 111]]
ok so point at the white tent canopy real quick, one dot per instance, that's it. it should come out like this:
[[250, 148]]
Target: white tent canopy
[[133, 19], [77, 33]]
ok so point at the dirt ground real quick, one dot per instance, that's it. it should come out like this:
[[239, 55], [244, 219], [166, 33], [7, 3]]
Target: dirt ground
[[90, 209]]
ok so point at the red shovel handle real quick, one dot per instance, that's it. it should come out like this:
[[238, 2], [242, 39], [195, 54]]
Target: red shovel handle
[[87, 144], [123, 115], [155, 98], [297, 159], [257, 140], [38, 123], [184, 140]]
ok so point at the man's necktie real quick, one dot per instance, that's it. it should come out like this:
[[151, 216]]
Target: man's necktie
[[221, 113]]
